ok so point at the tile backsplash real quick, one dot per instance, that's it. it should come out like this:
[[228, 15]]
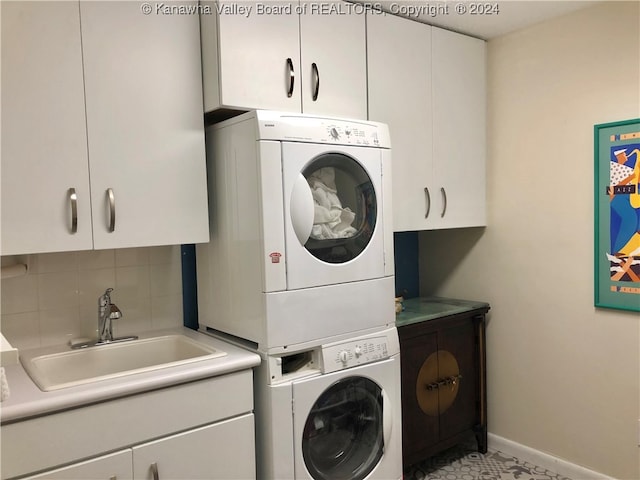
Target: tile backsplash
[[57, 299]]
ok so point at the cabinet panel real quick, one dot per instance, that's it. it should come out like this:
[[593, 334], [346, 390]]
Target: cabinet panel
[[259, 55], [432, 96], [443, 384], [459, 127], [245, 56], [44, 140], [340, 58], [219, 451], [459, 341], [399, 83], [115, 466], [419, 430], [144, 116]]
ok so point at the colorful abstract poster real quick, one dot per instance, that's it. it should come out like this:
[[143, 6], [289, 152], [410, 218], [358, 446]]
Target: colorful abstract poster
[[617, 215]]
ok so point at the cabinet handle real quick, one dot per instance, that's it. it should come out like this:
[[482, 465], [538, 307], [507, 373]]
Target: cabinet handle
[[112, 210], [316, 81], [115, 477], [154, 471], [427, 199], [444, 199], [291, 76], [73, 201]]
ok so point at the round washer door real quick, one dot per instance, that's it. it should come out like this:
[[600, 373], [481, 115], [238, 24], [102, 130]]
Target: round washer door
[[343, 433]]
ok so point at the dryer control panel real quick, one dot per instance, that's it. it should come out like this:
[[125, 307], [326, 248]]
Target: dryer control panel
[[352, 353]]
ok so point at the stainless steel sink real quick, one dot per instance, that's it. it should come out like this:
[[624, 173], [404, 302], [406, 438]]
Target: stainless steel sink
[[76, 367]]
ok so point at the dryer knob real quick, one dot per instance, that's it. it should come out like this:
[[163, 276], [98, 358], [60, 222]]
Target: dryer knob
[[358, 351], [343, 356]]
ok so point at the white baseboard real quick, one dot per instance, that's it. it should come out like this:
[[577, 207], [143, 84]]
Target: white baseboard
[[549, 462]]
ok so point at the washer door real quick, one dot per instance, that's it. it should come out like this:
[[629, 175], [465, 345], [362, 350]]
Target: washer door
[[332, 214], [343, 433]]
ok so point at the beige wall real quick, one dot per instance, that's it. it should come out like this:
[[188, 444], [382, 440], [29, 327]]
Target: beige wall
[[563, 377]]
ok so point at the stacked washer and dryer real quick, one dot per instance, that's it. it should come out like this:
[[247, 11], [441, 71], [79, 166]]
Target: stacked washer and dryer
[[300, 269]]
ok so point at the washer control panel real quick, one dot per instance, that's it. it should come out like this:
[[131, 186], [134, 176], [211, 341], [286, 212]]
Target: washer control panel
[[349, 354]]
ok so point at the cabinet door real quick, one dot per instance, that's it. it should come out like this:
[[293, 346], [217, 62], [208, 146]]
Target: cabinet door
[[222, 451], [458, 356], [399, 76], [116, 466], [44, 140], [420, 405], [333, 60], [143, 88], [459, 130], [251, 57]]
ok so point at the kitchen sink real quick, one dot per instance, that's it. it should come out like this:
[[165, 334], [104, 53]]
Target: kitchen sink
[[76, 367]]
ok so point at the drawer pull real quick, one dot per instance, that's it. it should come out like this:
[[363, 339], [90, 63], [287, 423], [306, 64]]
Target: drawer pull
[[73, 201], [444, 200], [451, 381], [112, 209], [291, 77], [316, 81], [427, 198], [154, 471]]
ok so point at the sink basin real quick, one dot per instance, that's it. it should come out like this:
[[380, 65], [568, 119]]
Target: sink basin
[[77, 367]]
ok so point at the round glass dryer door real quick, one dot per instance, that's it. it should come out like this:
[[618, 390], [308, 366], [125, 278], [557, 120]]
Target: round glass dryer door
[[342, 437], [345, 207]]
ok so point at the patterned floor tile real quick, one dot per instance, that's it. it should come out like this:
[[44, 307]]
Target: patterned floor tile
[[462, 463]]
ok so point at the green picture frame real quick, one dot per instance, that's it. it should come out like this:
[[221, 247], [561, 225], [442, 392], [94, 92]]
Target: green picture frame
[[617, 215]]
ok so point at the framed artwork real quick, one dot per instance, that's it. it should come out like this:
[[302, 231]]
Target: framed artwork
[[617, 215]]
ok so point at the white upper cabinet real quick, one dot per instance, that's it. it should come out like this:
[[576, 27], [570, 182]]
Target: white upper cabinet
[[432, 95], [459, 128], [399, 75], [102, 133], [287, 56], [145, 126], [333, 61], [44, 171]]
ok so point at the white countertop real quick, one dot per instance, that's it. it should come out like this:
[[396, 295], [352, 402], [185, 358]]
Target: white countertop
[[27, 400]]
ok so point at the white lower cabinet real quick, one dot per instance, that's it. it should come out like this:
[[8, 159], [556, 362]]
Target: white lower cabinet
[[116, 466], [200, 430], [218, 451]]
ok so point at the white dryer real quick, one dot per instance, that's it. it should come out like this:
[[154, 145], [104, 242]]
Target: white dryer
[[332, 412], [301, 243]]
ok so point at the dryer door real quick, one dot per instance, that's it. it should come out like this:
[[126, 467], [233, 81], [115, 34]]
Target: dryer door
[[333, 214]]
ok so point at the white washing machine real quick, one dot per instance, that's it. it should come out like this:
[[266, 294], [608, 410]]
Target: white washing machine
[[331, 412], [301, 243]]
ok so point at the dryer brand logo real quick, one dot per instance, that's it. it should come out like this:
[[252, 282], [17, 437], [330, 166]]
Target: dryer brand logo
[[275, 257]]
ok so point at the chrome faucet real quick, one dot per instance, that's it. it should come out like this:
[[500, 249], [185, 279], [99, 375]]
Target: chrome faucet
[[107, 311]]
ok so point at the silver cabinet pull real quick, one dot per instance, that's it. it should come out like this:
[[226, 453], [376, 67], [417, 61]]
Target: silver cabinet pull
[[444, 199], [154, 471], [112, 210], [316, 81], [291, 76], [73, 201], [427, 199]]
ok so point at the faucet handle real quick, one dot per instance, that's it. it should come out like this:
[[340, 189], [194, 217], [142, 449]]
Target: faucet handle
[[114, 312]]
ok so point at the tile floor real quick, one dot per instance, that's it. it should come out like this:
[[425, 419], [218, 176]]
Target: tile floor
[[463, 463]]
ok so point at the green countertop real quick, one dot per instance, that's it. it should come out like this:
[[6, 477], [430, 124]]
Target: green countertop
[[427, 308]]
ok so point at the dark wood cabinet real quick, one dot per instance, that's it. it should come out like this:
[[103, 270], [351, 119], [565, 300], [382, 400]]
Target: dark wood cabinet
[[443, 383]]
